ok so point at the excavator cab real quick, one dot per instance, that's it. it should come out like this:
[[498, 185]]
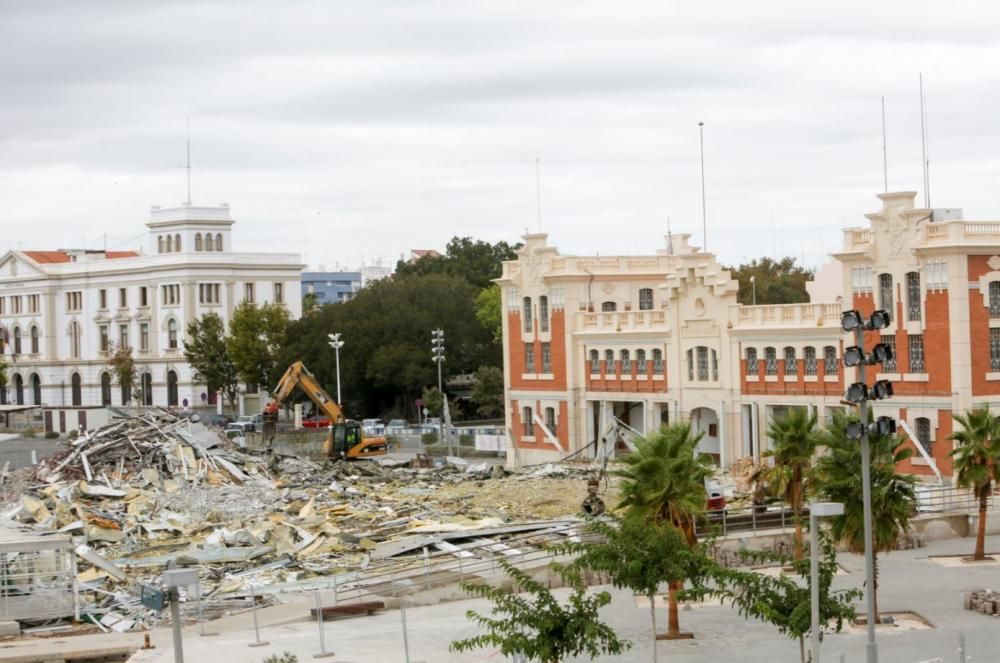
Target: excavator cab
[[348, 441]]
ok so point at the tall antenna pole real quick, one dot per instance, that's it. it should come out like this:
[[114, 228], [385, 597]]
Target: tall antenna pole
[[670, 239], [885, 152], [538, 191], [704, 214], [926, 163], [189, 160]]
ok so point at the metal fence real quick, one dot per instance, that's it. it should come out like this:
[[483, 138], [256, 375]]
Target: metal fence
[[938, 499]]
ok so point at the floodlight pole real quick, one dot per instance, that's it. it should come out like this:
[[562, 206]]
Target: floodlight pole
[[871, 649]]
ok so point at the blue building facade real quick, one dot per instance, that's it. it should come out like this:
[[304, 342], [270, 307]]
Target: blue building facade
[[331, 287]]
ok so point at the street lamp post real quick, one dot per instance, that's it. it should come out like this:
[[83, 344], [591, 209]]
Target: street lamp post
[[753, 287], [337, 344], [817, 510], [437, 355]]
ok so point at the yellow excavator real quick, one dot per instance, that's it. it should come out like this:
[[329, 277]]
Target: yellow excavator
[[346, 439]]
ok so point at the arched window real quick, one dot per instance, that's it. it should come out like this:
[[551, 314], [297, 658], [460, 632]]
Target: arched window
[[159, 244], [170, 243], [690, 364], [913, 296], [34, 340], [18, 389], [76, 390], [105, 388], [543, 313], [829, 360], [809, 353], [208, 242], [74, 339], [526, 314], [147, 388], [197, 241], [923, 431], [595, 362], [657, 362], [790, 367], [36, 389], [641, 366], [171, 389], [715, 366], [17, 340], [752, 366], [218, 242], [702, 363], [770, 361], [177, 242], [527, 418], [994, 291], [645, 299], [609, 307], [885, 292], [550, 420], [609, 361], [172, 334], [626, 363]]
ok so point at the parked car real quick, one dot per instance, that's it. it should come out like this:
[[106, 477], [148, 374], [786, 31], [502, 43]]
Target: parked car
[[397, 426], [219, 420], [316, 421], [371, 423], [247, 423]]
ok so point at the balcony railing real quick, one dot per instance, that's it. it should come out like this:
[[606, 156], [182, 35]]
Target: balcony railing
[[801, 315], [622, 320]]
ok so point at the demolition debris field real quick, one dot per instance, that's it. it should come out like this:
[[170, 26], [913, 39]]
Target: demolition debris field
[[147, 491]]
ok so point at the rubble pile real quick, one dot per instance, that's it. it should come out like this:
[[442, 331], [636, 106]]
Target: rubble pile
[[985, 601], [148, 491]]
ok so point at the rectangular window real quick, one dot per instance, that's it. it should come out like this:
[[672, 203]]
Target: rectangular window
[[995, 349], [248, 292], [171, 295], [529, 357], [829, 360], [144, 336], [143, 296], [715, 366], [690, 365], [15, 304], [105, 340], [913, 296], [279, 293], [3, 303], [885, 292], [102, 298], [657, 362], [543, 313], [810, 360], [546, 357], [923, 426], [526, 314], [609, 307], [645, 299], [208, 293], [891, 365], [74, 301], [916, 342], [123, 336], [528, 422], [995, 299], [550, 420], [122, 298], [770, 361], [33, 303], [752, 365]]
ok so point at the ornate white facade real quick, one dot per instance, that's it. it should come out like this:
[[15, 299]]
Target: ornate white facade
[[61, 311]]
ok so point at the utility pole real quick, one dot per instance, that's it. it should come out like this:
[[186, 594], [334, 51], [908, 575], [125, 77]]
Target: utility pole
[[704, 213], [337, 344], [437, 355]]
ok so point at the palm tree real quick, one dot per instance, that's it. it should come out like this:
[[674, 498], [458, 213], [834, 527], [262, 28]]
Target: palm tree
[[838, 479], [795, 440], [977, 462], [664, 481]]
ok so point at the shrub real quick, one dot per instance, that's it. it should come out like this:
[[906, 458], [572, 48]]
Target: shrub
[[51, 435], [28, 432], [287, 657], [467, 440], [73, 434], [429, 438]]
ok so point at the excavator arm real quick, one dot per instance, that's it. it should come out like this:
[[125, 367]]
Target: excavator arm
[[298, 375]]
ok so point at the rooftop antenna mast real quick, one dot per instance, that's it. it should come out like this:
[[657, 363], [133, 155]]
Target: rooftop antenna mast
[[670, 239], [926, 160], [188, 167], [704, 215], [885, 152], [538, 191]]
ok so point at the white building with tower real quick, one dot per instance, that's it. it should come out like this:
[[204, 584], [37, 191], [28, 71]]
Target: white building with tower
[[61, 311]]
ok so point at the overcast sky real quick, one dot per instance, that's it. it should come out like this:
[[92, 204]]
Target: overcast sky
[[347, 131]]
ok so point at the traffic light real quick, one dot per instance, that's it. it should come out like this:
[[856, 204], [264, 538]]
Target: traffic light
[[859, 392]]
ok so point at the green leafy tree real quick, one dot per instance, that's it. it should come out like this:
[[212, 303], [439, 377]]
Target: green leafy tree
[[310, 303], [122, 366], [489, 311], [205, 348], [487, 392], [663, 480], [838, 479], [255, 335], [977, 462], [640, 556], [533, 623], [433, 401], [777, 281], [781, 600], [796, 439], [476, 261]]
